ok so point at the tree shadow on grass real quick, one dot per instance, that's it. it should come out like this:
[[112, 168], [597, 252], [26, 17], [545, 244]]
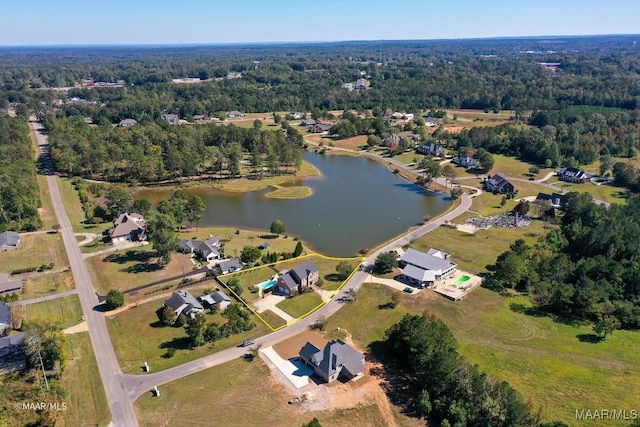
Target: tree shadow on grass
[[129, 256], [590, 338], [333, 277], [529, 311], [179, 343], [142, 267]]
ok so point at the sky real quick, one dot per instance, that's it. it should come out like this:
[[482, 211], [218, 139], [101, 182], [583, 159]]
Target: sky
[[55, 22]]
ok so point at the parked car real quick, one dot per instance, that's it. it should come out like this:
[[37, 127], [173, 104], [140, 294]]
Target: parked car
[[408, 290], [247, 343]]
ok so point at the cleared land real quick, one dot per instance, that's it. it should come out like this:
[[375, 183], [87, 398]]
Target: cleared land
[[71, 203], [46, 212], [129, 268], [515, 168], [86, 400], [138, 336], [552, 363], [34, 251], [607, 193], [245, 394], [47, 284], [66, 311]]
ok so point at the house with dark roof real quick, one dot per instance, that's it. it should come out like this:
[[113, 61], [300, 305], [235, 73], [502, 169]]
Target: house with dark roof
[[128, 227], [9, 240], [5, 318], [361, 84], [8, 286], [575, 175], [217, 298], [229, 266], [499, 184], [182, 302], [426, 268], [554, 199], [295, 280], [392, 140], [308, 122], [320, 128], [172, 119], [430, 121], [336, 360], [208, 249], [431, 149], [127, 123]]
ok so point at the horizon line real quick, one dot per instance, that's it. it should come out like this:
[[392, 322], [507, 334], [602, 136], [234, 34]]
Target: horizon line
[[298, 42]]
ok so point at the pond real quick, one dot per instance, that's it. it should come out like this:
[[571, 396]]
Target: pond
[[356, 202]]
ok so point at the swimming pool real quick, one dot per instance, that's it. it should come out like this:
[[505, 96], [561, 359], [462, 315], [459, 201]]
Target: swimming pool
[[267, 285]]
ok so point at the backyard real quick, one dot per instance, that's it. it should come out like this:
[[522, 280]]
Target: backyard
[[34, 251]]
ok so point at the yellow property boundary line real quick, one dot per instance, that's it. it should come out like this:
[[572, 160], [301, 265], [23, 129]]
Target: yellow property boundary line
[[313, 310]]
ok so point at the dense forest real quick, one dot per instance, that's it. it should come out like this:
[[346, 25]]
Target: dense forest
[[19, 198], [159, 151], [586, 269]]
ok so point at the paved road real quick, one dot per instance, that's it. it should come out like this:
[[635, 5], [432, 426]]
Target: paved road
[[122, 411]]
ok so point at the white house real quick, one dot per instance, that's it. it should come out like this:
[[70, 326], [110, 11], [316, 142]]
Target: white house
[[426, 268]]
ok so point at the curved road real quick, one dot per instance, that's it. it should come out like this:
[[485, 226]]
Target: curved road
[[122, 411]]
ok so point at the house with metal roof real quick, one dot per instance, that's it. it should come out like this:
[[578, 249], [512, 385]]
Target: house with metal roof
[[336, 360], [9, 240], [426, 268]]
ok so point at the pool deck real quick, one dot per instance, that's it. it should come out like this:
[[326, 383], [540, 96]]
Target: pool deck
[[456, 292]]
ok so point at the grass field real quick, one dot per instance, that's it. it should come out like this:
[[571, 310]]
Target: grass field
[[245, 394], [245, 184], [608, 193], [46, 212], [544, 360], [86, 400], [66, 311], [34, 251], [474, 252], [300, 305], [129, 268], [273, 319], [408, 158], [47, 284], [515, 168], [295, 192], [233, 243], [138, 336], [71, 203]]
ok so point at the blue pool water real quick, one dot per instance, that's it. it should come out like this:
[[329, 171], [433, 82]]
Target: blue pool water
[[267, 285]]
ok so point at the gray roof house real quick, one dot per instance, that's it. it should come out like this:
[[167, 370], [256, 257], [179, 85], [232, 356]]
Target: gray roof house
[[425, 268], [218, 298], [302, 276], [431, 148], [320, 128], [499, 184], [229, 266], [127, 123], [336, 360], [10, 286], [9, 240], [208, 249], [308, 122], [182, 302], [554, 199], [128, 227], [5, 318], [233, 114], [466, 162], [430, 121], [571, 174], [173, 119]]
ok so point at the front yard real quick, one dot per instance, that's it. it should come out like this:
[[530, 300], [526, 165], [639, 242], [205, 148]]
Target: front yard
[[300, 305]]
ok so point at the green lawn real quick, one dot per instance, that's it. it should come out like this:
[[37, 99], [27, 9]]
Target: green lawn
[[474, 252], [86, 401], [245, 394], [129, 268], [295, 192], [515, 168], [47, 214], [138, 336], [47, 284], [71, 203], [34, 251], [300, 305], [273, 319], [233, 243], [67, 311], [550, 363], [408, 158], [608, 193]]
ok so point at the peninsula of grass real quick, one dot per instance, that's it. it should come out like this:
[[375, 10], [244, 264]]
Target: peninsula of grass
[[65, 311], [556, 365], [138, 336], [86, 400], [296, 192], [47, 284], [263, 402], [35, 250], [300, 305]]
